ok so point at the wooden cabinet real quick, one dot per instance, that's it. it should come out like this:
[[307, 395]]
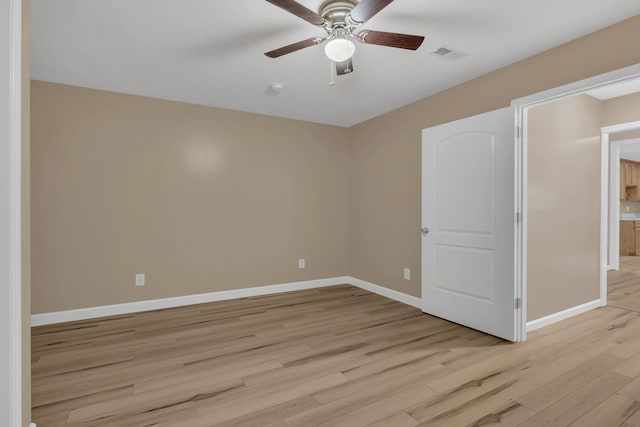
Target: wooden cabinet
[[630, 180], [631, 173], [629, 238]]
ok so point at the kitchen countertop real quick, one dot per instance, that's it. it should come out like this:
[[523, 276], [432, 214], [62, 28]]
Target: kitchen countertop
[[630, 217]]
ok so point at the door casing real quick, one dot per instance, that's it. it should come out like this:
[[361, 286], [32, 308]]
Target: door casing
[[10, 213]]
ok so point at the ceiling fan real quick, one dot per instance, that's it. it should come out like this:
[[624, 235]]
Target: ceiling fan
[[341, 19]]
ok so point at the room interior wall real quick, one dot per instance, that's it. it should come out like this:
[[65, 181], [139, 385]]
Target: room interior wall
[[623, 109], [26, 221], [385, 152], [199, 199], [564, 216], [621, 136]]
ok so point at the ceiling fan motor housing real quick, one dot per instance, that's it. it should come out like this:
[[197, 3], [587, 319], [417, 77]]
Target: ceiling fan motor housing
[[335, 12]]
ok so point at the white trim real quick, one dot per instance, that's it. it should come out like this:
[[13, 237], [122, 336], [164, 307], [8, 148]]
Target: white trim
[[613, 260], [520, 234], [562, 315], [622, 127], [386, 292], [13, 306], [604, 217], [32, 425], [158, 304]]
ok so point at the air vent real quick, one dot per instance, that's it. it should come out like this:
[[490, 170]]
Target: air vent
[[443, 51], [449, 53]]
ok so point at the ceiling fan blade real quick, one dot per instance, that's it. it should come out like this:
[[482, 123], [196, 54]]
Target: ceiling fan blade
[[300, 11], [367, 9], [294, 47], [402, 41]]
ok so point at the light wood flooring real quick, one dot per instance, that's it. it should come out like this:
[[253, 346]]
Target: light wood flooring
[[624, 285], [337, 356]]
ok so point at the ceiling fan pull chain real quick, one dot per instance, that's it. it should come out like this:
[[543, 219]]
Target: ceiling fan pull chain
[[332, 67]]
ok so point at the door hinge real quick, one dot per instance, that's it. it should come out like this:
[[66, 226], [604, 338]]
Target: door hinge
[[518, 303], [518, 131], [518, 217]]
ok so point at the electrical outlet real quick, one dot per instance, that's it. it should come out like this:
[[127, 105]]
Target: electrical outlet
[[301, 263], [140, 279], [407, 274]]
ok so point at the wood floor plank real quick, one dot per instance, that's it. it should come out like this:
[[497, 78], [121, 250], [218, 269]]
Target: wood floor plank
[[573, 406], [399, 419], [632, 390], [241, 407], [569, 382], [479, 406], [273, 414], [365, 407], [615, 410], [557, 366], [455, 398], [511, 414]]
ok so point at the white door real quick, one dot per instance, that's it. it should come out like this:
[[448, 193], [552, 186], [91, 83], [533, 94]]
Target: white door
[[468, 190]]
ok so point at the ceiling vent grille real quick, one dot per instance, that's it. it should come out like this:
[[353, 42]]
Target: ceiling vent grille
[[449, 53]]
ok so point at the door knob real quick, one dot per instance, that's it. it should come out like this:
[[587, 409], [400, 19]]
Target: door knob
[[425, 231]]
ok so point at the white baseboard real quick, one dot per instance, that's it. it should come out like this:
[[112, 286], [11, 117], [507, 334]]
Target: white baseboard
[[562, 315], [157, 304], [386, 292]]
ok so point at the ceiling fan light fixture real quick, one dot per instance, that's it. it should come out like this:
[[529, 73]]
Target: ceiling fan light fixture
[[339, 49]]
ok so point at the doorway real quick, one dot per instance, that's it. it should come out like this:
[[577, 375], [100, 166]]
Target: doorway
[[623, 277], [565, 258]]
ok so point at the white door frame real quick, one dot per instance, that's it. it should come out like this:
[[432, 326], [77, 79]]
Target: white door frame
[[522, 106], [615, 152], [10, 213]]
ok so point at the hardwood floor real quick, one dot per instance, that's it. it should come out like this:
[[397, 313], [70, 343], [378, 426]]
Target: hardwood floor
[[336, 356], [624, 285]]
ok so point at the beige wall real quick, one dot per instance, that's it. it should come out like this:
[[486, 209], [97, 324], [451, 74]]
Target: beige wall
[[564, 176], [563, 205], [624, 109], [621, 136], [26, 223], [200, 199], [384, 153]]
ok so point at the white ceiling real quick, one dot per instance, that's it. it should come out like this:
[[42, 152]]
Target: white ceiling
[[210, 52], [615, 90]]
